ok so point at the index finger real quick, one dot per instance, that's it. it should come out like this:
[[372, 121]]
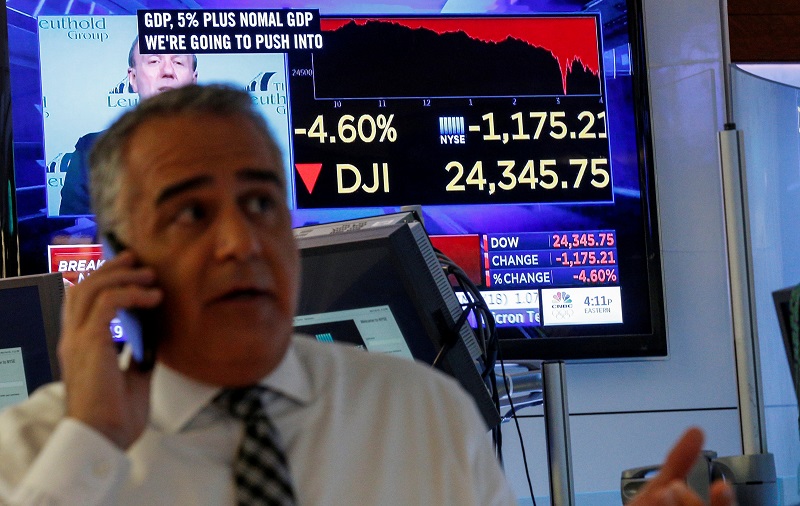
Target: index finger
[[681, 458]]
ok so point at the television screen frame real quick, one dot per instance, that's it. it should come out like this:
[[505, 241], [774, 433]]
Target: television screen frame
[[624, 80]]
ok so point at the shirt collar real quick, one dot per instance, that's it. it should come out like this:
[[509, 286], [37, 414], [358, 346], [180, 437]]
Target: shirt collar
[[176, 399]]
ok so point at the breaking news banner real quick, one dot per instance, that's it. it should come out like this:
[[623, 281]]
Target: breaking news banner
[[75, 262], [228, 31]]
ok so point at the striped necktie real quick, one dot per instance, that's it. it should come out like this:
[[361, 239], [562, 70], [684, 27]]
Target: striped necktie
[[260, 470]]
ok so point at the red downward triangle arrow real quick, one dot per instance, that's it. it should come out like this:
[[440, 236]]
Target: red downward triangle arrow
[[309, 172]]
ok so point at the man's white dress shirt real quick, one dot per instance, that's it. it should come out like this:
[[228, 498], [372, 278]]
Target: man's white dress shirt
[[358, 429]]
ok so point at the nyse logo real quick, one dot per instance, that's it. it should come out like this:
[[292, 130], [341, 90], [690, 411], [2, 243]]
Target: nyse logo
[[451, 130]]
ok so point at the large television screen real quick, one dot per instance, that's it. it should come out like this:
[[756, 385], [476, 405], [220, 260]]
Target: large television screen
[[519, 128]]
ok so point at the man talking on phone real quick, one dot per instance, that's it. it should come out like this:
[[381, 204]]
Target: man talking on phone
[[237, 409]]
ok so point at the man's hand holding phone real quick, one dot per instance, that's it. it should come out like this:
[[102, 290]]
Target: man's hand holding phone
[[114, 402], [138, 325]]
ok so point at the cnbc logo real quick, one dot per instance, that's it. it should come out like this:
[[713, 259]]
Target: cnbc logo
[[451, 130], [561, 306], [561, 300]]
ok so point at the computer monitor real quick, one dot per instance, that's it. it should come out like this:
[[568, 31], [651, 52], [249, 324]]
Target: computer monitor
[[783, 308], [382, 288], [30, 317]]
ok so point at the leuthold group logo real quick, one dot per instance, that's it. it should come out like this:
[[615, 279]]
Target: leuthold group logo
[[561, 306], [266, 93], [124, 86], [77, 28], [121, 95], [260, 82]]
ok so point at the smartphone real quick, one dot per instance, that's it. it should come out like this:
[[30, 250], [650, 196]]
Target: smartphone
[[138, 325]]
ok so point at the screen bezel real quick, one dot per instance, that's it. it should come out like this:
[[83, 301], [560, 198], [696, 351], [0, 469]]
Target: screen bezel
[[586, 343]]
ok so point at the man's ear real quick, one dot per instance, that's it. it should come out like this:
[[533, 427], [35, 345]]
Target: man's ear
[[194, 78], [132, 79]]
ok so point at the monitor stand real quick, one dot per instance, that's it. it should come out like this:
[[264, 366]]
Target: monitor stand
[[531, 383], [556, 426]]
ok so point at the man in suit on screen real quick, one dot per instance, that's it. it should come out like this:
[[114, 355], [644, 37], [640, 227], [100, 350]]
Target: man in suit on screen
[[148, 75]]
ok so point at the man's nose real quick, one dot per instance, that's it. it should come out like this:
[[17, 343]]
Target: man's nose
[[167, 68], [236, 237]]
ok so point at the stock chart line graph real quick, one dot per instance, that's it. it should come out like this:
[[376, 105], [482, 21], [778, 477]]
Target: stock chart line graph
[[459, 57]]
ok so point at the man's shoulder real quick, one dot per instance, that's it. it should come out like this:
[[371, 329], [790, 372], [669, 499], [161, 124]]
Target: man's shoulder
[[25, 427], [86, 142], [411, 399], [41, 411]]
